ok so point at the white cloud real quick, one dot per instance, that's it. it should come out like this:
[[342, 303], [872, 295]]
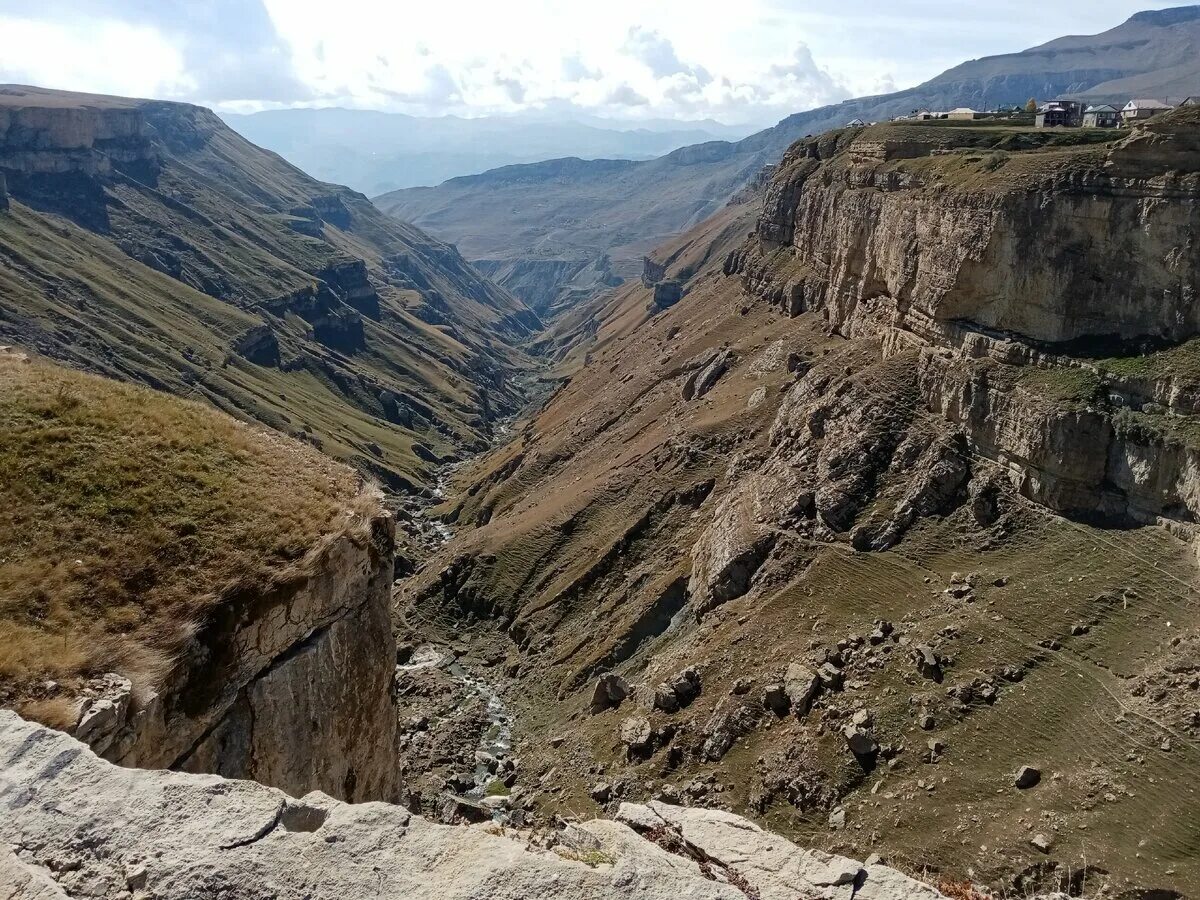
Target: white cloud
[[624, 95], [100, 57], [673, 58]]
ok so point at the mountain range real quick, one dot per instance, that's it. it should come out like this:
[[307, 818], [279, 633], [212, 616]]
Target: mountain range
[[375, 151], [561, 216]]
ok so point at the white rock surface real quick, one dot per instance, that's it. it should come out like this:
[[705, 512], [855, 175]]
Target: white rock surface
[[74, 825]]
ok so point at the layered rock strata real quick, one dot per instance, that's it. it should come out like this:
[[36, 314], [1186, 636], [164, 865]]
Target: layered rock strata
[[1008, 277], [291, 688]]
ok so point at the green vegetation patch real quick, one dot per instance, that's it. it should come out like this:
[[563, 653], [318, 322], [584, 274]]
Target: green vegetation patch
[[1182, 362], [1063, 385], [125, 514]]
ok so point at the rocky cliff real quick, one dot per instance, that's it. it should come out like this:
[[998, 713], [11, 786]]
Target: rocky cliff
[[581, 209], [76, 826], [1001, 269], [849, 533], [291, 688]]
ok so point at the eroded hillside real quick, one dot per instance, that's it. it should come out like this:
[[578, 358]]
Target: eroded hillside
[[148, 241], [894, 500]]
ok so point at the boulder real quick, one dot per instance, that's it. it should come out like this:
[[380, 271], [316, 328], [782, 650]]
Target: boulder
[[802, 685], [775, 698], [723, 729], [610, 691], [703, 379], [104, 711], [667, 294], [1027, 777], [677, 691], [831, 676], [859, 740], [929, 664], [637, 735]]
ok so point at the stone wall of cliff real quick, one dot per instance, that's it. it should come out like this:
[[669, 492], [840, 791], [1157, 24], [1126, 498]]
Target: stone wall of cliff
[[292, 689], [42, 140], [1053, 245], [989, 266]]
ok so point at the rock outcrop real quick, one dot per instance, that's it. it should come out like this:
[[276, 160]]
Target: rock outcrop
[[73, 825], [998, 273], [292, 688], [1054, 247]]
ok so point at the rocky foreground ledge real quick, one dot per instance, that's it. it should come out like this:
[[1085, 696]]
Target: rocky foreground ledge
[[74, 825]]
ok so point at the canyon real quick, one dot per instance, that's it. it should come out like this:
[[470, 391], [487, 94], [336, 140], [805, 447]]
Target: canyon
[[859, 516], [910, 495]]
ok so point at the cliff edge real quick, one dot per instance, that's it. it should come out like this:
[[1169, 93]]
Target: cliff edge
[[184, 591], [77, 826]]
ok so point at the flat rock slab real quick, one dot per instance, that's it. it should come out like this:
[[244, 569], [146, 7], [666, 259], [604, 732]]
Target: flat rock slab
[[75, 825]]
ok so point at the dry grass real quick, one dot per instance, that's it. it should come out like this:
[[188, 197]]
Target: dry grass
[[957, 889], [126, 514]]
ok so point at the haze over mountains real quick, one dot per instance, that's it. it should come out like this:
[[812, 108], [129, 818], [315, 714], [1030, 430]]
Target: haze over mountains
[[375, 152], [561, 216]]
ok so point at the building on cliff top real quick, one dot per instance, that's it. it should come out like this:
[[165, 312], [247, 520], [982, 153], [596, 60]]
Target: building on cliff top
[[1060, 114]]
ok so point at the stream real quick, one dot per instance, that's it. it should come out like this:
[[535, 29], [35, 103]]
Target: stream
[[495, 742]]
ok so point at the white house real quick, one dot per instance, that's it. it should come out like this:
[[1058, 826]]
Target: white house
[[1139, 110]]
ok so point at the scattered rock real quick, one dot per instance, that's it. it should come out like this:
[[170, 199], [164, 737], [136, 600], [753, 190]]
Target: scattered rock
[[610, 691], [775, 698], [1041, 842], [678, 691], [601, 792], [929, 664], [831, 676], [104, 710], [801, 684], [724, 728], [859, 740], [741, 686], [637, 735], [883, 630], [1027, 777], [701, 381]]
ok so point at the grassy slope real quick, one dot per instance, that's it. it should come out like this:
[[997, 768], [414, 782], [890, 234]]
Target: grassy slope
[[74, 296], [126, 513], [221, 207]]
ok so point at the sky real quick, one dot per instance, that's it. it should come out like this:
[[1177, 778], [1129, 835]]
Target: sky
[[741, 62]]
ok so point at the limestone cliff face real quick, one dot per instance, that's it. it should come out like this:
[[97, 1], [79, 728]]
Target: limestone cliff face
[[1053, 246], [41, 140], [292, 689], [995, 273]]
